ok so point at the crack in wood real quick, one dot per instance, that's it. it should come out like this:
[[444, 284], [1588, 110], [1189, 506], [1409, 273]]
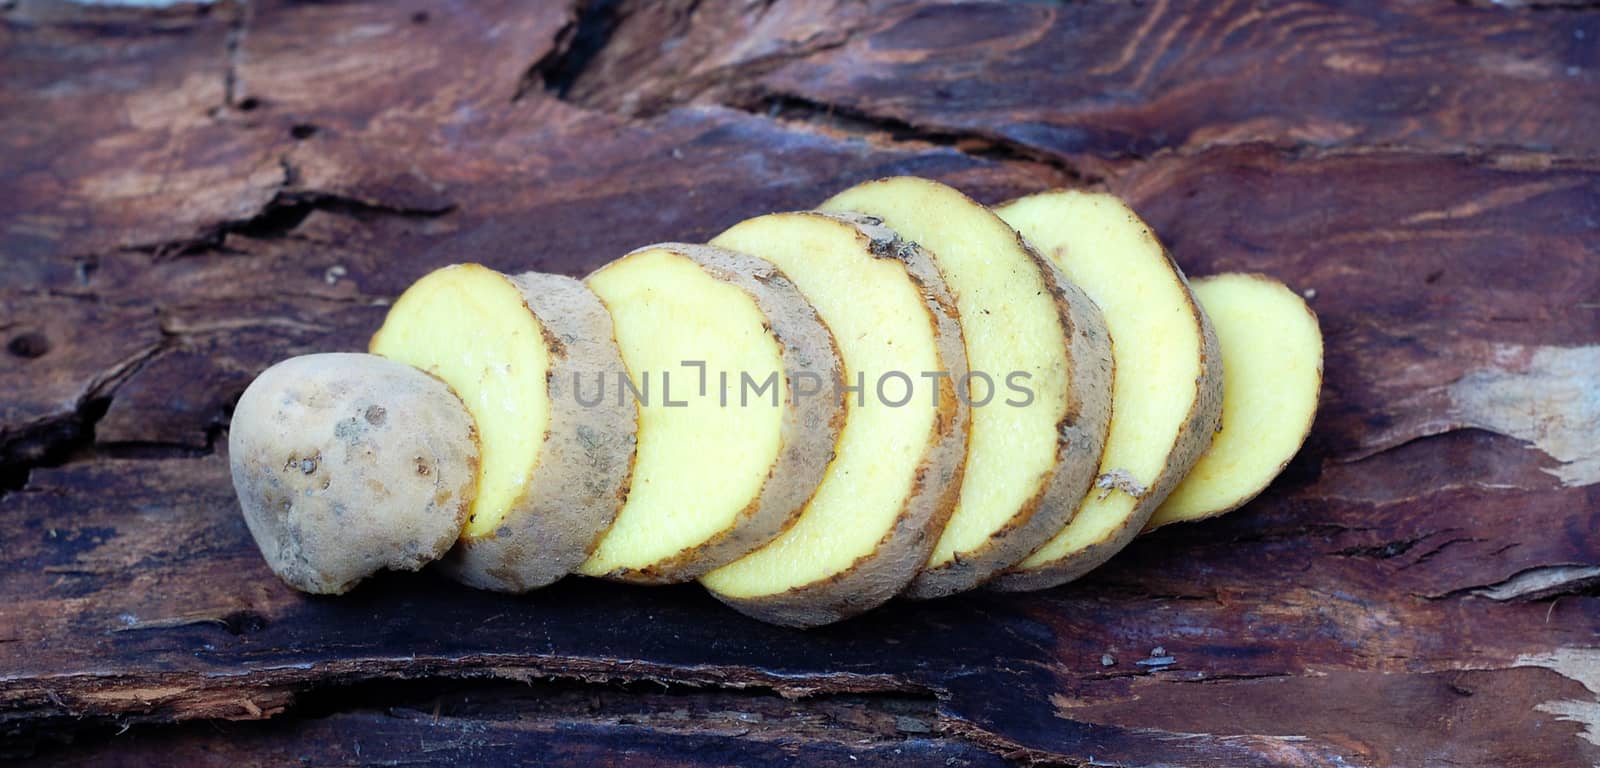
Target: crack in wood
[[791, 109], [468, 717], [1541, 583], [563, 694], [237, 28], [576, 45], [68, 437], [287, 210]]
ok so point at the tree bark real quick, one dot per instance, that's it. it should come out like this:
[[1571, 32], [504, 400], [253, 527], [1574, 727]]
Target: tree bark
[[188, 195]]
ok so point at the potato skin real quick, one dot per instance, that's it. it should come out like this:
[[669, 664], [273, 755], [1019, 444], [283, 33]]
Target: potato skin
[[809, 431], [586, 462], [348, 464], [876, 577], [1304, 432], [1082, 431], [1192, 440]]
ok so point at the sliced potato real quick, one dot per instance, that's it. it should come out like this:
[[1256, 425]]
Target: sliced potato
[[1272, 374], [729, 452], [349, 464], [555, 469], [1029, 459], [1167, 392], [895, 470]]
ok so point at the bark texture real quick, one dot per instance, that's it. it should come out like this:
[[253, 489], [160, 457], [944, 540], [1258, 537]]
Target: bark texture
[[188, 195]]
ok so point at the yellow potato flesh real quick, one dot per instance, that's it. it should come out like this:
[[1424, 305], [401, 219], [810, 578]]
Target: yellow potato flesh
[[1010, 323], [1271, 372], [880, 323], [1155, 344], [469, 326], [700, 463]]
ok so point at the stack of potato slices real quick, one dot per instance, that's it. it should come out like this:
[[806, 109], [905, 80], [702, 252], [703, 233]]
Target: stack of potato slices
[[903, 392]]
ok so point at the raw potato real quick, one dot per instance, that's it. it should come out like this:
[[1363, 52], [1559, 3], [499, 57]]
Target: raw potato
[[895, 471], [723, 465], [1167, 393], [1272, 372], [1027, 465], [349, 464], [554, 470]]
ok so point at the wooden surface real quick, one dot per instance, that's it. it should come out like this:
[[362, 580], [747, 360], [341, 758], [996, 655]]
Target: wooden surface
[[187, 196]]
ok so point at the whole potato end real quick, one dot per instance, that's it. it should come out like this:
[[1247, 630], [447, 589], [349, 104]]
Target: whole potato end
[[348, 464]]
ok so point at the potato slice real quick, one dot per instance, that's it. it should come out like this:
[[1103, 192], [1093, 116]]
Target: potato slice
[[555, 469], [1167, 393], [349, 464], [1272, 374], [896, 469], [1029, 464], [730, 447]]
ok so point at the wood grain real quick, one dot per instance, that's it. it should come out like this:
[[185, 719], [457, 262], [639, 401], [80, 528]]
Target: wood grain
[[187, 196], [1099, 82]]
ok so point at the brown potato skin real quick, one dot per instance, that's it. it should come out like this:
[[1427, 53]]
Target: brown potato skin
[[585, 463], [348, 464], [880, 575], [1082, 432], [810, 426], [1194, 436]]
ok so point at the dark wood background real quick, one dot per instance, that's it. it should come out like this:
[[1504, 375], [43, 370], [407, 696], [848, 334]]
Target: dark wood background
[[189, 195]]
